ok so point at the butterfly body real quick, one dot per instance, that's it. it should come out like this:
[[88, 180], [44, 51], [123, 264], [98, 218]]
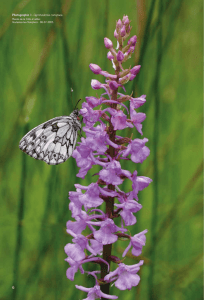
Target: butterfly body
[[54, 140]]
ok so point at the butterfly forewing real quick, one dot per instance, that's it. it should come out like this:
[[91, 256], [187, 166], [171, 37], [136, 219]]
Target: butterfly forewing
[[54, 140]]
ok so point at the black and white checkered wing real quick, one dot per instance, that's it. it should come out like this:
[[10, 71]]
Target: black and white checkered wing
[[54, 140]]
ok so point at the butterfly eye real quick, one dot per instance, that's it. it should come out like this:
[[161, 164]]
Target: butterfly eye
[[44, 137]]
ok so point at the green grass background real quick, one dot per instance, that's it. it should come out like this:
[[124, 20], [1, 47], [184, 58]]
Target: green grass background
[[39, 65]]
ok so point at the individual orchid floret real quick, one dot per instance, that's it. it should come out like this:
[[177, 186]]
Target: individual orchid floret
[[74, 267], [98, 139], [84, 149], [126, 276], [81, 243], [99, 144], [137, 119], [111, 174], [77, 265], [93, 101], [95, 292], [84, 162], [137, 242], [137, 102], [139, 183], [119, 120], [139, 152], [90, 116], [75, 205], [91, 197], [80, 224], [128, 208], [105, 234], [75, 252]]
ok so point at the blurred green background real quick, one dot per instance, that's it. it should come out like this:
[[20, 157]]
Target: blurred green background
[[40, 63]]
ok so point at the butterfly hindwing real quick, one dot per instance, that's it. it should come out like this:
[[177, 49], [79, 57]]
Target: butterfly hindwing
[[52, 141]]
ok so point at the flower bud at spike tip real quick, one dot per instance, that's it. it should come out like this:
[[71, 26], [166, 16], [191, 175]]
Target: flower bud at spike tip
[[126, 20], [108, 43], [110, 55], [132, 40], [135, 70], [116, 34], [119, 24], [95, 68], [120, 56], [95, 84], [123, 31]]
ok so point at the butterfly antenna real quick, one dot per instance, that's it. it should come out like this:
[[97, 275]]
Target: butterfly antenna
[[77, 103]]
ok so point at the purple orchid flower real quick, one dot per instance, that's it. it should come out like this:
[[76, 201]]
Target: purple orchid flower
[[102, 147]]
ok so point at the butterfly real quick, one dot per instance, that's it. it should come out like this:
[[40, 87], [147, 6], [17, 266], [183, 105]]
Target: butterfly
[[53, 141]]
